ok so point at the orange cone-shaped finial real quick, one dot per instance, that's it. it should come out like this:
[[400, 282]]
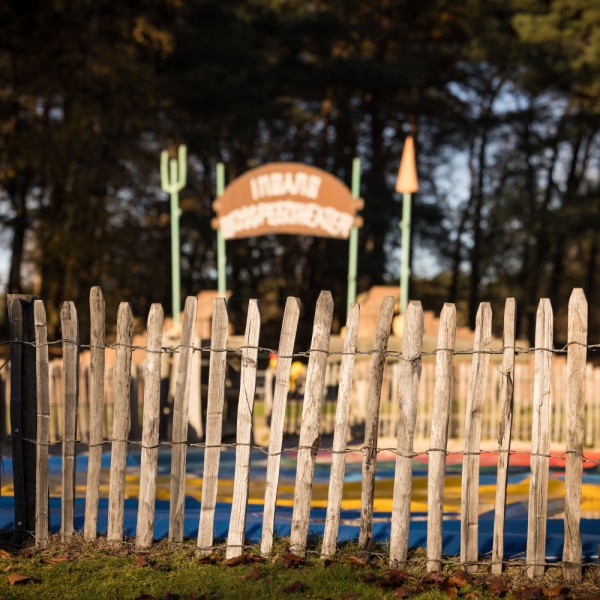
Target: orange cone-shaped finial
[[407, 182]]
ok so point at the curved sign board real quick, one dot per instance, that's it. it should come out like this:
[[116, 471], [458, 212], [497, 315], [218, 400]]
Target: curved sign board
[[286, 198]]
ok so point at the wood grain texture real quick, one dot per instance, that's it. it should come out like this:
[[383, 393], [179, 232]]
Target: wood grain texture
[[309, 430], [16, 333], [97, 364], [469, 507], [179, 434], [369, 465], [505, 433], [121, 421], [409, 375], [442, 396], [239, 502], [540, 440], [282, 385], [575, 409], [150, 429], [70, 335], [214, 425], [43, 426], [340, 436]]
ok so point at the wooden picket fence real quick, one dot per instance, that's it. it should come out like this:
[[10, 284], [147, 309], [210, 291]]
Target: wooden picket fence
[[30, 438]]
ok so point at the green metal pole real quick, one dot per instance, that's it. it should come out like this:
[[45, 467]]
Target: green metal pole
[[173, 174], [405, 273], [221, 256], [353, 258]]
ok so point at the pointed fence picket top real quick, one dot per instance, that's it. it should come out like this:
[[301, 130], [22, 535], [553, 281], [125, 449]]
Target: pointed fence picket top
[[97, 362], [340, 436], [214, 425], [43, 426], [309, 432], [118, 456], [150, 429], [540, 441], [239, 502], [442, 397], [504, 436], [575, 408], [180, 421], [70, 334], [282, 385], [369, 465], [469, 508], [408, 393]]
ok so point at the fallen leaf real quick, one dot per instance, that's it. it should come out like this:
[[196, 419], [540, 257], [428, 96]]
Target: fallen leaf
[[194, 596], [434, 577], [293, 561], [255, 574], [242, 559], [141, 561], [293, 587], [393, 579], [459, 579], [5, 554], [18, 578], [255, 558], [529, 593], [557, 590], [55, 559], [213, 559], [167, 595], [497, 588], [402, 592], [451, 592], [327, 563], [356, 561], [369, 577], [473, 595]]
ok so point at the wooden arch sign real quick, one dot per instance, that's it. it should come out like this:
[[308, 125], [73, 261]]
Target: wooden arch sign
[[286, 197]]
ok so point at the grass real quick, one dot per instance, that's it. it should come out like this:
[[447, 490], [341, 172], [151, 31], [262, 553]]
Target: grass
[[78, 570]]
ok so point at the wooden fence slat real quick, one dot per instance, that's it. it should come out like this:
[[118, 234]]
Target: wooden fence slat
[[70, 335], [575, 406], [442, 396], [15, 321], [179, 430], [369, 465], [43, 425], [340, 435], [540, 440], [97, 362], [237, 522], [469, 506], [282, 384], [408, 392], [309, 429], [214, 424], [121, 421], [505, 433], [151, 418]]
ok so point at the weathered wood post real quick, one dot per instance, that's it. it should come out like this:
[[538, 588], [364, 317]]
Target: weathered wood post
[[505, 433], [23, 410], [540, 440], [575, 408]]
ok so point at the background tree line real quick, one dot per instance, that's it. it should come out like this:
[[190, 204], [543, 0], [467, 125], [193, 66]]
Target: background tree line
[[501, 96]]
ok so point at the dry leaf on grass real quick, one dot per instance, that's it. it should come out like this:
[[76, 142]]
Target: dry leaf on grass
[[18, 578], [213, 559], [434, 577], [403, 592], [357, 561], [557, 590], [141, 561], [369, 577], [55, 559], [295, 586], [459, 579], [5, 554], [293, 561]]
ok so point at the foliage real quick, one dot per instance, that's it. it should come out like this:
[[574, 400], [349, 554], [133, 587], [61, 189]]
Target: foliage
[[502, 98]]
